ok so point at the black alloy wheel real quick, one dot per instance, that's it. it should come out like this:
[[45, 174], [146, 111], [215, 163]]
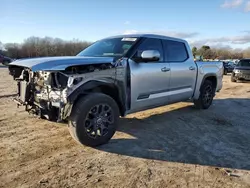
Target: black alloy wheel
[[208, 95], [94, 119], [98, 120]]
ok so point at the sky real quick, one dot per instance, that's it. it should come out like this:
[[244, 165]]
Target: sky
[[218, 23]]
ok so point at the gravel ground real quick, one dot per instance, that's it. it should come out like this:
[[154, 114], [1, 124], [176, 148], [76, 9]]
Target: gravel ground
[[171, 146]]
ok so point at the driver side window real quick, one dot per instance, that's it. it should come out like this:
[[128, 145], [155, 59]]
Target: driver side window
[[150, 44]]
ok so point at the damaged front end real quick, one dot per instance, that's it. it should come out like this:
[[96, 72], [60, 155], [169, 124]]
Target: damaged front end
[[46, 93]]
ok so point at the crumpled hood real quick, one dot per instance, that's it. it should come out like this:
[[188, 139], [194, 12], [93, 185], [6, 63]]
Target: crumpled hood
[[59, 63]]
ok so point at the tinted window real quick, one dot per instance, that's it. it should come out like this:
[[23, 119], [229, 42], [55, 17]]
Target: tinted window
[[114, 47], [244, 63], [175, 51], [150, 44]]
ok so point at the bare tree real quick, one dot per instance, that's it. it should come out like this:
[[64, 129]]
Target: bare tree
[[246, 53], [47, 46]]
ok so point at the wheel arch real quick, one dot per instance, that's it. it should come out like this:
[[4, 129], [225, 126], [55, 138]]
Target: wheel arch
[[211, 77], [108, 87]]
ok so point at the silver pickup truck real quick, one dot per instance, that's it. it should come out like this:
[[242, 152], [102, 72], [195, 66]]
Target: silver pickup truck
[[113, 77]]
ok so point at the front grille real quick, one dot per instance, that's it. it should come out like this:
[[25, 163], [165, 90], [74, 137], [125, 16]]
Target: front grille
[[246, 72]]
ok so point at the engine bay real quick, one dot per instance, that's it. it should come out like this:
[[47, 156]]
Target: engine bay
[[45, 93]]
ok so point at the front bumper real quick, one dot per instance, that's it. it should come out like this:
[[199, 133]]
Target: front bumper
[[242, 76]]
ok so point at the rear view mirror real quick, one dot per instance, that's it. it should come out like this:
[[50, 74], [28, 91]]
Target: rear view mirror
[[150, 55]]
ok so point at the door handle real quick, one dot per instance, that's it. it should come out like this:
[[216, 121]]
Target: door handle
[[165, 69], [191, 68]]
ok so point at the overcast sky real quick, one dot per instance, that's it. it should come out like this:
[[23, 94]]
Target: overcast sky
[[218, 23]]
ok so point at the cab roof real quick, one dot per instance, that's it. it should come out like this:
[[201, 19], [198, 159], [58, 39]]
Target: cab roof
[[146, 35]]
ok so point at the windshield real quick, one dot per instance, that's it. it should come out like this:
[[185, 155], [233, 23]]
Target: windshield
[[244, 63], [115, 47]]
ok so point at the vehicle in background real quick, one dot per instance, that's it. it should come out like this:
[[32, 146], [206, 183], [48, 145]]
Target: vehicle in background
[[5, 60], [241, 71], [114, 77], [198, 58], [228, 67], [235, 61]]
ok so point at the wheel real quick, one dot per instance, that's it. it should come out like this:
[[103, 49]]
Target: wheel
[[205, 99], [233, 79], [94, 119], [225, 71]]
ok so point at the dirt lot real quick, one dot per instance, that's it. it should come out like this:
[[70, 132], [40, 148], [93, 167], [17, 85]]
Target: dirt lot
[[172, 146]]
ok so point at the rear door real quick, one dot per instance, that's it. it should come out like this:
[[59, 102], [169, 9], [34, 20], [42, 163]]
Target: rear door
[[149, 80], [183, 70]]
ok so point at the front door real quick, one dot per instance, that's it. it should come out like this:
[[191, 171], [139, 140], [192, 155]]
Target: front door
[[149, 80]]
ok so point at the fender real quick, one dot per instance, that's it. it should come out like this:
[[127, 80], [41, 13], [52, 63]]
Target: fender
[[86, 87], [197, 90], [91, 85], [209, 75]]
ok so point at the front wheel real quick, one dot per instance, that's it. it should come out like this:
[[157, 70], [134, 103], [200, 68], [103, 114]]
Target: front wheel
[[233, 79], [94, 119], [206, 95], [225, 72]]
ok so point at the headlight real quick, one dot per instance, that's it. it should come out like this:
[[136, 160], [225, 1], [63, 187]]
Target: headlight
[[237, 71]]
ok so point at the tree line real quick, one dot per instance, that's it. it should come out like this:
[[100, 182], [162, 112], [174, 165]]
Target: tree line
[[208, 53], [48, 46], [41, 47]]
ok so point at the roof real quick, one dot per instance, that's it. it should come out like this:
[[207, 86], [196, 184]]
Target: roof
[[148, 36]]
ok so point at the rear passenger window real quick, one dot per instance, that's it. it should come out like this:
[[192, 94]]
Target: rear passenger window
[[150, 44], [175, 51]]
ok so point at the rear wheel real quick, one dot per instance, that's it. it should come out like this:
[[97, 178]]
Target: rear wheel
[[206, 95], [94, 119]]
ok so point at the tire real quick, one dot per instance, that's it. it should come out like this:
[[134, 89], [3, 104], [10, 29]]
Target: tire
[[233, 79], [225, 72], [89, 127], [207, 92]]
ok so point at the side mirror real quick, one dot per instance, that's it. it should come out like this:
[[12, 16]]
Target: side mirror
[[150, 55]]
